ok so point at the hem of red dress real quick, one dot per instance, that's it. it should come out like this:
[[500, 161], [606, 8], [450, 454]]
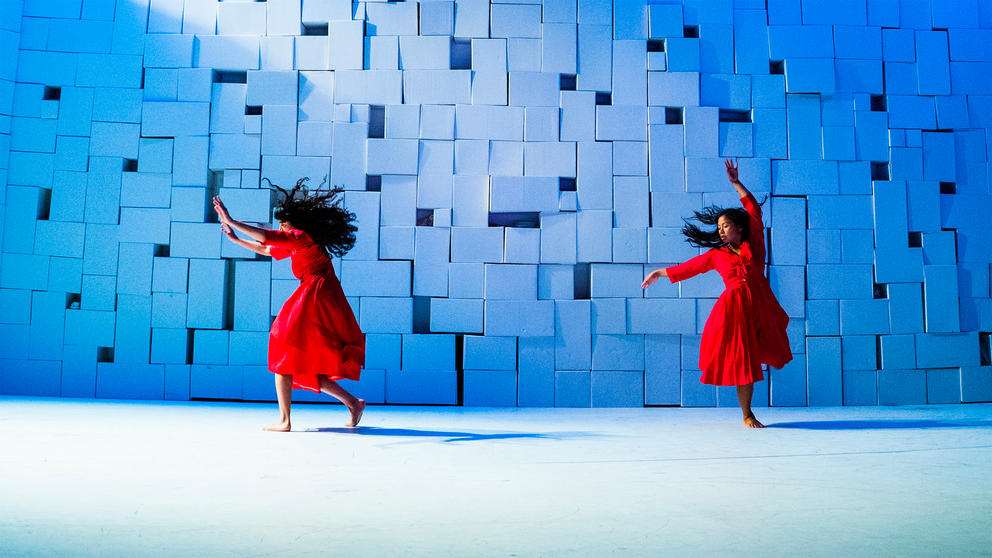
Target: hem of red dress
[[332, 377], [760, 378]]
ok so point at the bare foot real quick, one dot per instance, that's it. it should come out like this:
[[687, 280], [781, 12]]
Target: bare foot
[[752, 422], [356, 413], [277, 427]]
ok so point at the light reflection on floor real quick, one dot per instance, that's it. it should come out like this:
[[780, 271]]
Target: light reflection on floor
[[110, 478]]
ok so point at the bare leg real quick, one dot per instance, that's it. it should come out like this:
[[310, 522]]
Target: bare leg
[[355, 406], [744, 394], [284, 392]]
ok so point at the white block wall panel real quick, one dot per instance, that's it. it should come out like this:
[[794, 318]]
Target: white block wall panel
[[131, 154], [444, 87]]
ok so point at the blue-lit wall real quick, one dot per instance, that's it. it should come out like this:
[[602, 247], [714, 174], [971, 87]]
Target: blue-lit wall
[[453, 125]]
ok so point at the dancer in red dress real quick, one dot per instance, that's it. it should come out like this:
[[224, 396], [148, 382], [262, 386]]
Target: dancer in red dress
[[747, 326], [315, 340]]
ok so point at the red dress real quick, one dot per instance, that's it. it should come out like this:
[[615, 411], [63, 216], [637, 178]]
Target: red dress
[[747, 326], [315, 333]]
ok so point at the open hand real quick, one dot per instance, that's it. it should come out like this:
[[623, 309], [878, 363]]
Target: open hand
[[652, 277], [228, 231], [731, 170], [221, 210]]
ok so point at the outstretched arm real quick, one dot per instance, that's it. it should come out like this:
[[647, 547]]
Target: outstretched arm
[[255, 233], [654, 276], [731, 166], [250, 245]]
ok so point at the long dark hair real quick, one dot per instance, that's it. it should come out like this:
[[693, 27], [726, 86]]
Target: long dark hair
[[319, 214], [710, 216]]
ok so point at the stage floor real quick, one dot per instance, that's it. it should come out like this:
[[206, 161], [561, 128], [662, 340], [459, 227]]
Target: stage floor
[[113, 478]]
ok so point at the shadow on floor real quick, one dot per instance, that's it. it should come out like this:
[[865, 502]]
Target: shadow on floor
[[881, 424], [450, 436]]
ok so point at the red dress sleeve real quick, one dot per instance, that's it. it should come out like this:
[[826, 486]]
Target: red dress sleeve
[[283, 243], [757, 227], [700, 264]]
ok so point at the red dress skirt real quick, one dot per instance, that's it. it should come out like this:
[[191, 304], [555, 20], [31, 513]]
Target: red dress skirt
[[315, 333], [747, 326]]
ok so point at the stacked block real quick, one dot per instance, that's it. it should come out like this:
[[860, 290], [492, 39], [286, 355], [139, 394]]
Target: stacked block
[[515, 170]]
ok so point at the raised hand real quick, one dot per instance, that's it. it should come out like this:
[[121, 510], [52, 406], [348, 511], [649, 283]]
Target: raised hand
[[221, 210], [228, 231], [653, 276], [731, 170]]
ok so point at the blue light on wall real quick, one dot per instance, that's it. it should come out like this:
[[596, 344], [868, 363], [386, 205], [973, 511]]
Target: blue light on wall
[[515, 169]]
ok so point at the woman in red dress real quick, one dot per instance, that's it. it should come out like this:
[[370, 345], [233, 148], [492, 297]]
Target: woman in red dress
[[747, 326], [315, 340]]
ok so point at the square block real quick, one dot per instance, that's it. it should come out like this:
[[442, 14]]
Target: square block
[[466, 280], [943, 386], [642, 316], [79, 371], [662, 375], [860, 387], [902, 387], [898, 351], [523, 318], [490, 353], [823, 365], [696, 393], [947, 350], [629, 245], [536, 374], [477, 244], [839, 281], [130, 381], [376, 278], [622, 123], [683, 54], [573, 388], [616, 280], [216, 381], [858, 352], [864, 317], [456, 315], [905, 308], [210, 346], [428, 352], [169, 346], [617, 352], [437, 122], [490, 388], [609, 316], [422, 387], [976, 383], [522, 245], [789, 385], [555, 282], [623, 388], [424, 53]]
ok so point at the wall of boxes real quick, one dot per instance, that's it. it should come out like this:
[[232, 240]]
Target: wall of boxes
[[516, 169]]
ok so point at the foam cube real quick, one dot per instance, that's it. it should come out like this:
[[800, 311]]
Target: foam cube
[[536, 372], [573, 388], [386, 315]]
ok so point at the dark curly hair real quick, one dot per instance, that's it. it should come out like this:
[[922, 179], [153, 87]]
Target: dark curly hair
[[710, 216], [319, 214]]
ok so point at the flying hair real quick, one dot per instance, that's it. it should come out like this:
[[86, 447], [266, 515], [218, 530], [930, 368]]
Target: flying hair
[[318, 213]]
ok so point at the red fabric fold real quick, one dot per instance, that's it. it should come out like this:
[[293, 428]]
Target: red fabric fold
[[747, 326], [315, 333]]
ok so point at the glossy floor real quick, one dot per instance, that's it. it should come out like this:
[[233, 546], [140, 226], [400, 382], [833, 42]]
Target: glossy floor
[[110, 478]]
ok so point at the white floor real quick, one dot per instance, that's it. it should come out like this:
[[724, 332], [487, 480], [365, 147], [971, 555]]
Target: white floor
[[108, 478]]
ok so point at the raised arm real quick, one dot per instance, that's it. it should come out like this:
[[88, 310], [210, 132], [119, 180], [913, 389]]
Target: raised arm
[[747, 198], [249, 244], [255, 233], [731, 166]]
